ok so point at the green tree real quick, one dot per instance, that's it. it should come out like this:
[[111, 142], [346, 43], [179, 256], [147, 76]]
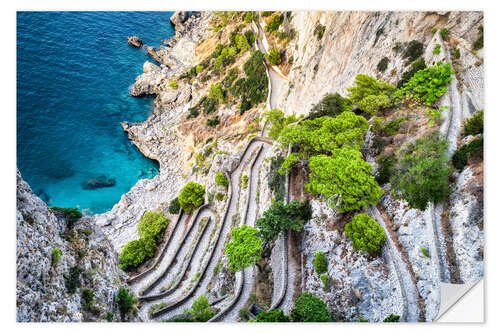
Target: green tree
[[382, 64], [136, 252], [309, 308], [366, 233], [272, 316], [191, 197], [325, 134], [345, 179], [320, 263], [274, 57], [216, 93], [426, 85], [280, 217], [200, 311], [275, 180], [461, 157], [242, 43], [331, 105], [152, 225], [244, 249], [371, 94], [475, 125], [274, 23], [221, 179], [416, 66], [125, 301], [174, 207], [278, 121], [421, 176]]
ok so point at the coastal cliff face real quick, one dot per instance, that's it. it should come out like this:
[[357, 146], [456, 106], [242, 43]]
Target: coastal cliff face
[[42, 281], [402, 279]]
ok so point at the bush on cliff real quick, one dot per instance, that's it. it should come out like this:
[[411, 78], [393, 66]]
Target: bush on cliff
[[275, 180], [461, 157], [174, 207], [274, 57], [370, 94], [278, 121], [309, 308], [331, 105], [191, 197], [475, 125], [416, 66], [245, 248], [221, 179], [71, 215], [345, 179], [421, 175], [201, 311], [125, 301], [152, 225], [366, 233], [280, 217], [320, 263], [272, 316]]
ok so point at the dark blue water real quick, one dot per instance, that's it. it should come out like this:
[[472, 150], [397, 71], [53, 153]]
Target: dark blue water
[[74, 70]]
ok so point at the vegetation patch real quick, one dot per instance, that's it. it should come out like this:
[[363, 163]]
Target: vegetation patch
[[244, 249], [56, 256], [366, 233], [475, 125], [461, 157], [221, 179], [331, 105], [174, 206], [413, 51], [370, 94], [191, 197], [309, 308], [382, 64], [276, 180], [320, 263]]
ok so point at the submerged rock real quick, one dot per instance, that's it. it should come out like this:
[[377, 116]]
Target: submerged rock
[[135, 41], [101, 181]]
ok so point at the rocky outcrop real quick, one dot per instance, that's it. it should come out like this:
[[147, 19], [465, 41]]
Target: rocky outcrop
[[98, 182], [178, 18], [86, 258], [135, 41]]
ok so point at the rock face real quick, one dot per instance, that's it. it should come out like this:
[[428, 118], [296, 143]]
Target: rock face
[[41, 292], [135, 41], [178, 18]]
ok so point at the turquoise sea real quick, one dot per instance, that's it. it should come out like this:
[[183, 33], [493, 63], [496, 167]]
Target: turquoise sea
[[74, 70]]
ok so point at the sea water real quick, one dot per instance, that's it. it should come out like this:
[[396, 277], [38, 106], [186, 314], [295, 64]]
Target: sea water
[[74, 70]]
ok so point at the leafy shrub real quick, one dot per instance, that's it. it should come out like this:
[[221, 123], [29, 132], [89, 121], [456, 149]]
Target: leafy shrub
[[87, 298], [56, 256], [221, 179], [231, 76], [422, 172], [242, 43], [475, 125], [244, 181], [444, 33], [274, 57], [191, 197], [200, 311], [72, 280], [152, 225], [331, 105], [213, 122], [219, 196], [71, 215], [272, 316], [319, 31], [255, 86], [243, 313], [392, 318], [109, 317], [386, 168], [461, 156], [434, 30], [366, 233], [248, 18], [415, 67], [377, 146], [456, 54], [275, 180], [370, 94], [437, 49], [244, 249], [392, 127], [278, 121], [174, 207], [382, 64], [320, 263], [216, 93], [274, 23], [373, 103], [136, 252], [250, 36], [125, 301], [309, 308], [173, 84], [427, 85], [414, 50], [425, 252], [280, 217], [345, 179], [267, 13], [478, 43]]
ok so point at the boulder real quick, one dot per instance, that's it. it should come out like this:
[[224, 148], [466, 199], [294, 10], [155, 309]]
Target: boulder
[[150, 67], [179, 17], [153, 54], [135, 41], [99, 182]]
